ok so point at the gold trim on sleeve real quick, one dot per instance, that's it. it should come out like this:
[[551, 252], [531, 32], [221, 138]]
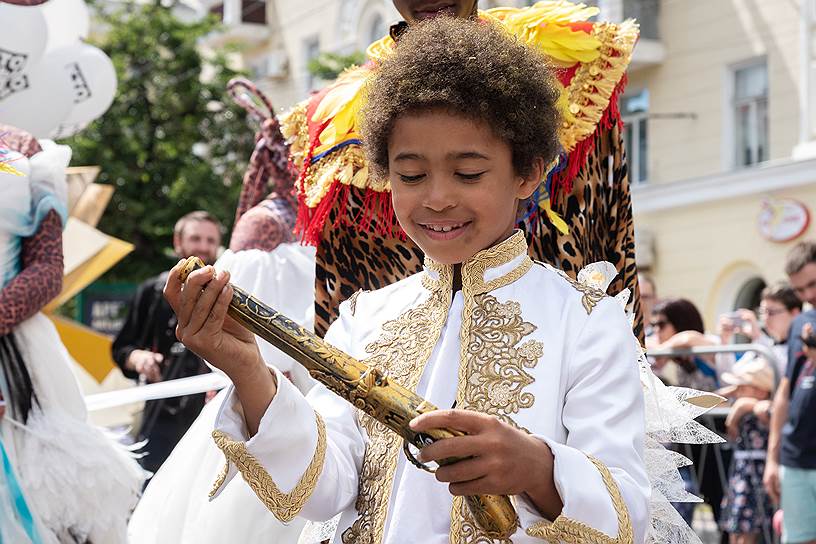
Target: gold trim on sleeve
[[285, 506], [571, 531]]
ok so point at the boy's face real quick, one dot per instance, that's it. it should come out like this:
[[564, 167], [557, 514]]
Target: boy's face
[[454, 188], [418, 10]]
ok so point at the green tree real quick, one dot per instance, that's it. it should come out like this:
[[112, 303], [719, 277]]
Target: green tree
[[171, 142], [328, 66]]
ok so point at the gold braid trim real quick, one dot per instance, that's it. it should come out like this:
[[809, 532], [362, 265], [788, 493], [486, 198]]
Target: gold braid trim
[[575, 532], [591, 296], [353, 300], [592, 86], [285, 506], [220, 479]]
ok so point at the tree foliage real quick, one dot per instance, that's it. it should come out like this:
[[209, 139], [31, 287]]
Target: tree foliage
[[172, 141], [328, 66]]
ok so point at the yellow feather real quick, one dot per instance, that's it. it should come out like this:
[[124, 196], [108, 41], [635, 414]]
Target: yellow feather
[[555, 219]]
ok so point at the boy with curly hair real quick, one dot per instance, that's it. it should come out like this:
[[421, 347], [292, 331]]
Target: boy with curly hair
[[537, 367]]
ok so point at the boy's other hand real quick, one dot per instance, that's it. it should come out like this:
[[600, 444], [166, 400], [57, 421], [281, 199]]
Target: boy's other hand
[[497, 458]]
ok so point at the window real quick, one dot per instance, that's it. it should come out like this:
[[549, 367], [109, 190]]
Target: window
[[635, 110], [311, 49], [750, 107], [377, 28]]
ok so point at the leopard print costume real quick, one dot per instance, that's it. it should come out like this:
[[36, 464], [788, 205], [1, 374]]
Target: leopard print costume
[[40, 279], [598, 210]]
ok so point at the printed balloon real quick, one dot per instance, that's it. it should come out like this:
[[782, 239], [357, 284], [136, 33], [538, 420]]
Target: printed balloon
[[93, 81]]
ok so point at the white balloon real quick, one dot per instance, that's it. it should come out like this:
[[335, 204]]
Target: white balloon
[[23, 33], [41, 98], [68, 21], [93, 80]]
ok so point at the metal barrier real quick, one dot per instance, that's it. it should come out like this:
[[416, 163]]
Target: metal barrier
[[761, 349]]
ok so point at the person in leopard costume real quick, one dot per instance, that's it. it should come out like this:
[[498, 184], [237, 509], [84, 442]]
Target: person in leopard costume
[[584, 211]]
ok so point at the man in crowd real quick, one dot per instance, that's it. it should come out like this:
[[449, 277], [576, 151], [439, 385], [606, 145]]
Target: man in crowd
[[147, 350], [790, 471]]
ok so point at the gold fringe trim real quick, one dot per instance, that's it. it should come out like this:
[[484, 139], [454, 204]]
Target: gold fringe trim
[[592, 85], [295, 130], [347, 166], [575, 532], [285, 506]]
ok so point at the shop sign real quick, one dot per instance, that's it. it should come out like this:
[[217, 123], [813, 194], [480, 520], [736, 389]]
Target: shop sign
[[783, 219]]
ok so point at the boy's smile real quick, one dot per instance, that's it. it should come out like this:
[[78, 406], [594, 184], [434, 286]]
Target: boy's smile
[[454, 188]]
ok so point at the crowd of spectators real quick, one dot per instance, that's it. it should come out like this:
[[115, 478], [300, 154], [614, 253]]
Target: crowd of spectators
[[764, 479]]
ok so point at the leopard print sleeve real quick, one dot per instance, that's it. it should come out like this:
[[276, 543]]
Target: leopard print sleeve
[[264, 226], [40, 279], [618, 208]]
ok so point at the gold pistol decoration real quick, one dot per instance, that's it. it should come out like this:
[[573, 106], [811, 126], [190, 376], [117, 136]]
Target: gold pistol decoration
[[367, 388]]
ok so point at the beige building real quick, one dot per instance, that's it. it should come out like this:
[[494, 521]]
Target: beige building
[[720, 140]]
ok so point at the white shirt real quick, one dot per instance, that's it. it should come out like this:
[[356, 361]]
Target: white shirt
[[556, 358]]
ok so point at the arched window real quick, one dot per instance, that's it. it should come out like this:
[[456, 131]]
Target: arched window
[[749, 294]]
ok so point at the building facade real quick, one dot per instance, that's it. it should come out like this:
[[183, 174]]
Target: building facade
[[720, 138]]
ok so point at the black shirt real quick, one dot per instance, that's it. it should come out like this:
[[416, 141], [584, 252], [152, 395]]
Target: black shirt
[[151, 325], [798, 447]]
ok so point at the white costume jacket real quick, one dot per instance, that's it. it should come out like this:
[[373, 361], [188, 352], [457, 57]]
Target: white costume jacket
[[520, 341]]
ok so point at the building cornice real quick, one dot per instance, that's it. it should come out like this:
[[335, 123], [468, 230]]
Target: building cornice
[[765, 178]]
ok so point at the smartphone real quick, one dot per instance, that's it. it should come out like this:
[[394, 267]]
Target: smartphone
[[736, 321]]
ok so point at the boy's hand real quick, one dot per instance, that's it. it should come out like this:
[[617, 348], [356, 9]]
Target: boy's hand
[[497, 459], [203, 325]]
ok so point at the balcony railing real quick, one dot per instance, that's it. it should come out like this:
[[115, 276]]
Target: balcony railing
[[647, 13], [234, 12]]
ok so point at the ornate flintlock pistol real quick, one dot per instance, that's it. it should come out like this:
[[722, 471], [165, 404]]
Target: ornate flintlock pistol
[[367, 388]]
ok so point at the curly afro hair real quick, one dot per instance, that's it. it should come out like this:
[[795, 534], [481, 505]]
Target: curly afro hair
[[468, 68]]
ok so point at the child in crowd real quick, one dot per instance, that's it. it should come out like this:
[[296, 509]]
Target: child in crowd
[[746, 508]]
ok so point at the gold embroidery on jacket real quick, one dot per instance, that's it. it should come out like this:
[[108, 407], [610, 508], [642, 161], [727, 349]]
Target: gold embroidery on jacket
[[492, 370], [575, 532], [403, 349], [285, 506], [353, 300], [591, 296], [497, 362]]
